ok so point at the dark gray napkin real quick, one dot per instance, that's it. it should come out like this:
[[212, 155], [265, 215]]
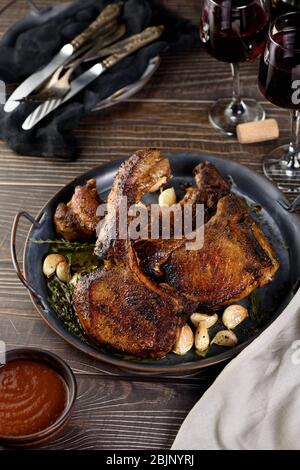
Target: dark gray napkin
[[32, 43]]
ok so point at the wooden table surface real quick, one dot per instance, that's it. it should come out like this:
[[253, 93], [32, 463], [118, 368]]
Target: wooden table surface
[[115, 410]]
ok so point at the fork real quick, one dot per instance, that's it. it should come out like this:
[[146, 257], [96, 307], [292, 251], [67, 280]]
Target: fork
[[58, 86], [55, 87]]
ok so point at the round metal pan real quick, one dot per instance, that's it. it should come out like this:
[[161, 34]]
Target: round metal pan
[[281, 226]]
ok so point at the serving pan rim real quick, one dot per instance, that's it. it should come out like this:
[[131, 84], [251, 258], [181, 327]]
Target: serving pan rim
[[114, 359]]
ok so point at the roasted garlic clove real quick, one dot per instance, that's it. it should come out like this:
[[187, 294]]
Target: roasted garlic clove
[[167, 198], [234, 315], [184, 341], [63, 272], [210, 320], [225, 338], [51, 262], [201, 337]]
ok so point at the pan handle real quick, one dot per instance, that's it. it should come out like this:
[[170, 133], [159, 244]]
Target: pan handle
[[13, 251], [290, 207]]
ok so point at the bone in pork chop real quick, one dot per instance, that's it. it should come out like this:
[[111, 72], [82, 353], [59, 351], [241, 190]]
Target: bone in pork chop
[[119, 306], [145, 172], [236, 257], [210, 187], [122, 308]]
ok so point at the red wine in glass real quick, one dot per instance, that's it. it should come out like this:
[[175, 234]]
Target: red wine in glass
[[234, 31], [279, 81], [280, 71]]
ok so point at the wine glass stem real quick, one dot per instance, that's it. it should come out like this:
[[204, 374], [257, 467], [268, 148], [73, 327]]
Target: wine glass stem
[[235, 70], [293, 160], [237, 105]]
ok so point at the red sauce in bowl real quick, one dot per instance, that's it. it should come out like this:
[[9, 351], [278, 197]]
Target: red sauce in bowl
[[33, 396]]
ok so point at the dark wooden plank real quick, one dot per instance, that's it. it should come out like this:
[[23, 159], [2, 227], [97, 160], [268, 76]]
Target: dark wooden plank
[[119, 131], [200, 77], [12, 200]]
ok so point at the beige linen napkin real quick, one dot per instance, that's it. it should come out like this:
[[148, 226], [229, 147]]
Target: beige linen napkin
[[255, 402]]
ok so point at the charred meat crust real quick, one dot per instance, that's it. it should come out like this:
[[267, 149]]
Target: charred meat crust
[[144, 172], [208, 177], [122, 309], [119, 306], [111, 307], [77, 220], [210, 188], [236, 259]]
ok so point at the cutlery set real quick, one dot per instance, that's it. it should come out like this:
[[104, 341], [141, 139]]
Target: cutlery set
[[53, 85], [58, 84]]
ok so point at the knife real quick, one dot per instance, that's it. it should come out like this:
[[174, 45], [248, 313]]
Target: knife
[[36, 79], [82, 81]]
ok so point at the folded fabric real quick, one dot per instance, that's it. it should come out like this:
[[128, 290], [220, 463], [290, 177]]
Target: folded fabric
[[254, 403], [34, 41]]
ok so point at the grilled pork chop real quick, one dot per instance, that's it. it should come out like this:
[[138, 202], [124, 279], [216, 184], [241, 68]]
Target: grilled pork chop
[[236, 257], [122, 308], [119, 306], [145, 172], [210, 187]]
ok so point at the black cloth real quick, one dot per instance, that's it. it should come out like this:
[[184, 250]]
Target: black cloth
[[32, 43]]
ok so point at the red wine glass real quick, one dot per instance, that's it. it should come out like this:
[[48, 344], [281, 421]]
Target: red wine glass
[[234, 31], [279, 81]]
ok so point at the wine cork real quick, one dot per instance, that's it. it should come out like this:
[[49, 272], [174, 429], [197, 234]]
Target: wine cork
[[257, 131]]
